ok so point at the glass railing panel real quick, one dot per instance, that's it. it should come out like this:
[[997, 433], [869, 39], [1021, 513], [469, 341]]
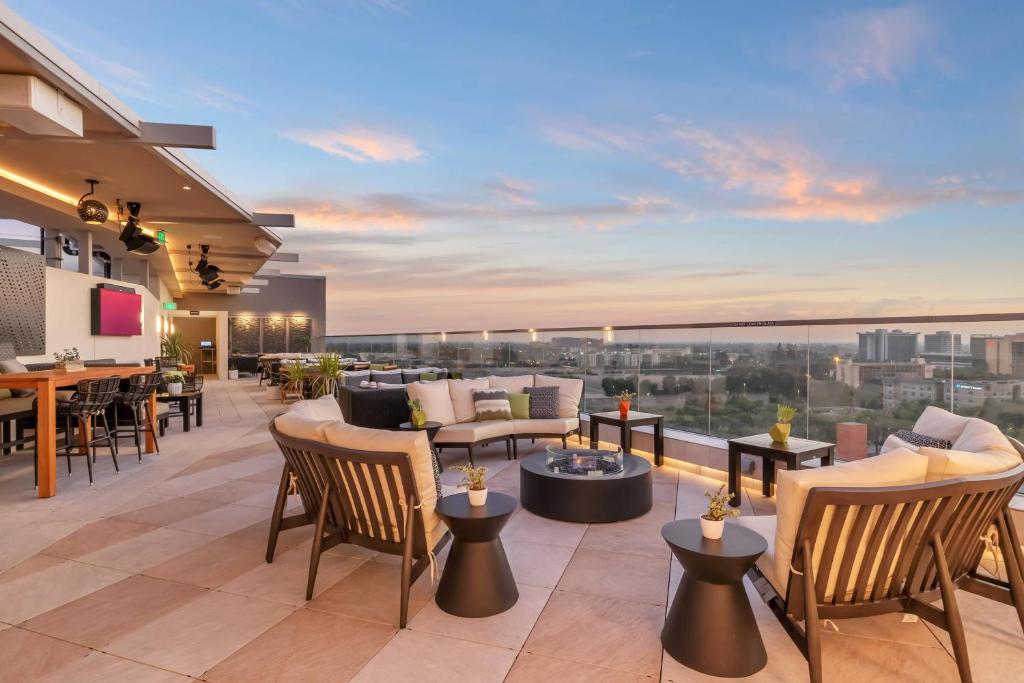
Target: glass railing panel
[[674, 374], [571, 354], [988, 377]]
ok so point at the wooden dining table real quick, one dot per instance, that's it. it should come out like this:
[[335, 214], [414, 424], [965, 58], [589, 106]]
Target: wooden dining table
[[46, 383]]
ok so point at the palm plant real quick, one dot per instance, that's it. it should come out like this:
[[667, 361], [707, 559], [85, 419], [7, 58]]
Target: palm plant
[[329, 369], [172, 345]]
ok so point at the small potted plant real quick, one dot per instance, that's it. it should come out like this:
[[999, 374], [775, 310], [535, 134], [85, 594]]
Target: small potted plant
[[712, 522], [625, 401], [780, 430], [475, 482], [232, 371], [175, 382], [417, 417], [69, 360]]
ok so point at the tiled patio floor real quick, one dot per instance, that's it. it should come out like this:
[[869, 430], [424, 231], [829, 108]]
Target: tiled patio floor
[[158, 575]]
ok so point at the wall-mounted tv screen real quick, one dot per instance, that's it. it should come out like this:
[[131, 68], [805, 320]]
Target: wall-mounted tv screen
[[116, 312]]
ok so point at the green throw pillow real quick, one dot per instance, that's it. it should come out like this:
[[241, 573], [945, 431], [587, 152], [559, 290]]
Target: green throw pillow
[[428, 376], [520, 406], [5, 393], [377, 366]]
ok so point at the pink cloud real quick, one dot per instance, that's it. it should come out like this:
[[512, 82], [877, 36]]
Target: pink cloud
[[361, 144]]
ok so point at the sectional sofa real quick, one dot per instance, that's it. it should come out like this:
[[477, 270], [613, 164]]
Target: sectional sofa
[[450, 402]]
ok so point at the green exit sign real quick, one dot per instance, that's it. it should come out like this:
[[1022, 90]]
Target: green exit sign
[[170, 306]]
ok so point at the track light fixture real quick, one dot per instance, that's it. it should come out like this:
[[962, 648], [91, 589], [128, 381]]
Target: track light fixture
[[134, 239], [92, 211], [209, 274]]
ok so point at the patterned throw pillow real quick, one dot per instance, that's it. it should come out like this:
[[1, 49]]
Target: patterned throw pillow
[[491, 404], [920, 440], [543, 402], [437, 473]]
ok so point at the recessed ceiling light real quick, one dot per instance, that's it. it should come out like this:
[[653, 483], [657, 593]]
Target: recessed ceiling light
[[185, 187]]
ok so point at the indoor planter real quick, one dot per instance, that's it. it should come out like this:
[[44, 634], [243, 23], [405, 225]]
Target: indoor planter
[[232, 372], [625, 401], [780, 430], [69, 360], [475, 483], [712, 522], [175, 382]]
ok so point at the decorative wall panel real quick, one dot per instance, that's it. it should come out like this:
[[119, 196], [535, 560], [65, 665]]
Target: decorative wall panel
[[245, 334], [23, 301], [274, 335], [299, 330]]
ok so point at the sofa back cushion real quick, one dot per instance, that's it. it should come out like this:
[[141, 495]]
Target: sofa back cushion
[[12, 366], [513, 385], [323, 408], [980, 449], [570, 391], [896, 468], [461, 392], [543, 402], [386, 376], [354, 377], [410, 375], [940, 424], [434, 400], [492, 404], [301, 426]]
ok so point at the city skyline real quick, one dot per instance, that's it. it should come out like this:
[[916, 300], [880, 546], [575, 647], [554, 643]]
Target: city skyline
[[539, 166]]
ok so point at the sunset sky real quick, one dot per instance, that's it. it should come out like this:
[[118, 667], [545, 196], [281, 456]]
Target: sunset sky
[[487, 165]]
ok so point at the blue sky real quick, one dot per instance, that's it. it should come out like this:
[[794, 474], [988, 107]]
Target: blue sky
[[481, 165]]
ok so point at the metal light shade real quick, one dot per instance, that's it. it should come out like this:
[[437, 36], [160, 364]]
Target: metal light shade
[[92, 211]]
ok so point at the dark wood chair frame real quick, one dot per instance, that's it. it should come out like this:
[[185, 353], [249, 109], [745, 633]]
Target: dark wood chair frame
[[926, 542], [329, 479], [470, 445]]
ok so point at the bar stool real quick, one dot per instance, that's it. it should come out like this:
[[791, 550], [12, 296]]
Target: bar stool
[[90, 401], [136, 401]]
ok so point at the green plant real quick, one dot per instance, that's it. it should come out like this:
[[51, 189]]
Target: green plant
[[172, 345], [785, 413], [626, 395], [415, 404], [174, 376], [718, 506], [296, 374], [67, 355], [475, 479], [329, 368]]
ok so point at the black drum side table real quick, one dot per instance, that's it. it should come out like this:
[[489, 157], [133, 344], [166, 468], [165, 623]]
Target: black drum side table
[[711, 627], [476, 581], [431, 428]]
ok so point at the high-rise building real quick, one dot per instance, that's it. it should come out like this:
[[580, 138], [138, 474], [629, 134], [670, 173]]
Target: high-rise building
[[1005, 355], [978, 344], [942, 342], [883, 346]]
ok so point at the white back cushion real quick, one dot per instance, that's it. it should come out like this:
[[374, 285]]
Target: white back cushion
[[569, 392], [893, 442], [895, 468], [323, 408], [940, 424], [301, 426], [950, 464], [434, 399], [980, 436], [513, 384], [461, 392]]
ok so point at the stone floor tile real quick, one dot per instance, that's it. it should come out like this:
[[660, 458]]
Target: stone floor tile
[[431, 658]]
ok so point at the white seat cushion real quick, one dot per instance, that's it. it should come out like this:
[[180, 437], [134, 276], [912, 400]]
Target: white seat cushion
[[471, 432], [417, 447], [940, 424], [765, 525], [323, 408], [896, 468], [570, 390], [513, 384], [950, 464], [559, 425], [434, 399], [461, 392], [299, 426]]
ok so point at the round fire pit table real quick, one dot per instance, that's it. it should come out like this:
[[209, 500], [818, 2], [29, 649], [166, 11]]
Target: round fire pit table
[[476, 581], [710, 627], [588, 498]]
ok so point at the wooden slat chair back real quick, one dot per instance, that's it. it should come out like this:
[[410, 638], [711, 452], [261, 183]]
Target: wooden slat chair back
[[868, 551], [366, 498]]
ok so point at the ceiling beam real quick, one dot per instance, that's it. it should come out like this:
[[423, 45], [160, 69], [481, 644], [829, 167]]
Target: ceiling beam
[[284, 257], [274, 220], [177, 135]]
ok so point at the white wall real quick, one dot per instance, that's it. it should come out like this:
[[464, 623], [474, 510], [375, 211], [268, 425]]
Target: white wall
[[69, 316]]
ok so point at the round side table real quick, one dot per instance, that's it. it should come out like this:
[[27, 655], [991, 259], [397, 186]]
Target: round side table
[[431, 428], [710, 627], [476, 581]]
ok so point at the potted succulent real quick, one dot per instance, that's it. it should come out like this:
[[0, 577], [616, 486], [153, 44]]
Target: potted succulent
[[780, 430], [69, 360], [175, 381], [232, 371], [475, 482], [417, 417], [712, 522], [625, 401]]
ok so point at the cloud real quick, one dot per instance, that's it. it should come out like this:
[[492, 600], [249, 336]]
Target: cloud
[[220, 98], [580, 136], [361, 145], [876, 45], [512, 191]]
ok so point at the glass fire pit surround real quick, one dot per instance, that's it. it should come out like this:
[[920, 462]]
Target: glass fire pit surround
[[584, 462]]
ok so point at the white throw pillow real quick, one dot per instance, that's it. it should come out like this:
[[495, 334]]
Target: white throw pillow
[[434, 399], [896, 468], [569, 392], [980, 436], [940, 424], [513, 385], [323, 408], [461, 392]]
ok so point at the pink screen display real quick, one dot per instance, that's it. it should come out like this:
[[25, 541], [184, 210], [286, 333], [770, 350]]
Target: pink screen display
[[120, 313]]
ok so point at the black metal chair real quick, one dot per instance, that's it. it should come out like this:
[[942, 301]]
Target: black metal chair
[[135, 402], [89, 402]]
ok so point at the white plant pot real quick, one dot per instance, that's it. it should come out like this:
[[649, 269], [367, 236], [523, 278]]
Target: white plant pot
[[477, 497], [174, 388], [232, 374], [712, 529]]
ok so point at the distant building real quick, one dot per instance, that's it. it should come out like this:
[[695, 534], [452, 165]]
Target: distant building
[[854, 373], [942, 342], [966, 393], [978, 344], [897, 391], [886, 346], [1005, 355]]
